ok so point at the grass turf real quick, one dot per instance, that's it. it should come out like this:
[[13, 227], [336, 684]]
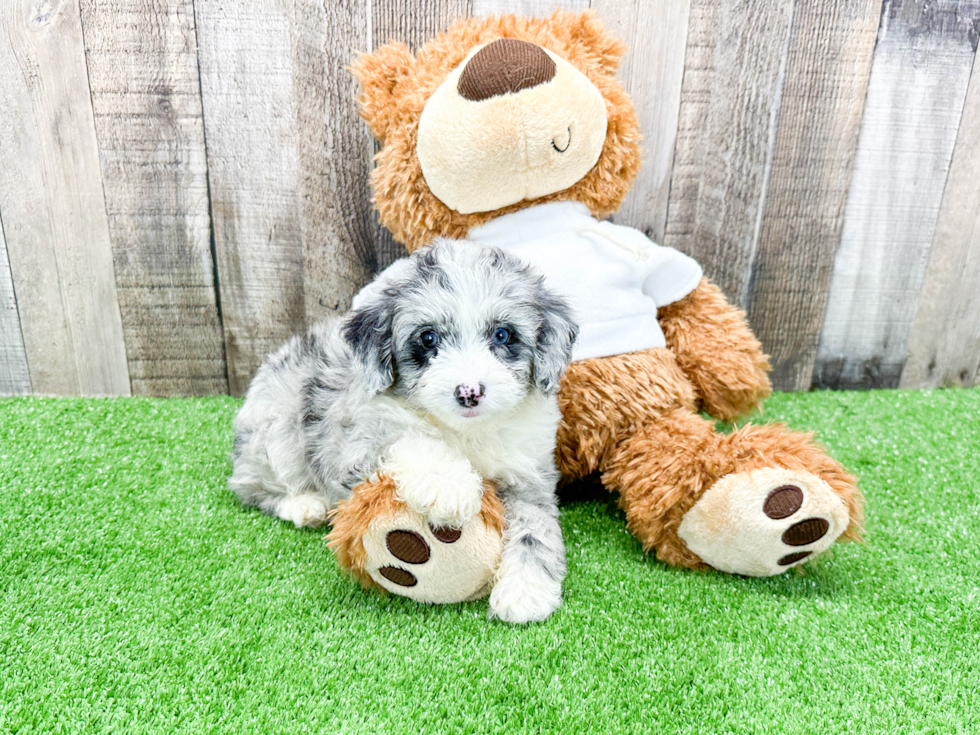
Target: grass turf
[[139, 597]]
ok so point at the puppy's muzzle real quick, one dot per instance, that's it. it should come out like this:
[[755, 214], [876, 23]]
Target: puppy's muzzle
[[468, 396]]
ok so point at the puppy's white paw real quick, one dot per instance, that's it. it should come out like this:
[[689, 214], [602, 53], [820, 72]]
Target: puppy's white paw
[[435, 481], [445, 499], [303, 510], [524, 596]]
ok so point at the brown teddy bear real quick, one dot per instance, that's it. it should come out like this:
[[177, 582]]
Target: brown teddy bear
[[515, 132]]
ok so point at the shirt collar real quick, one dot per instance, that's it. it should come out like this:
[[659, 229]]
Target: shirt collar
[[540, 220]]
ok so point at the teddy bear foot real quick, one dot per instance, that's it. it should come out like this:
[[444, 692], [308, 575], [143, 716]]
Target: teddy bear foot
[[407, 556], [384, 543], [762, 522]]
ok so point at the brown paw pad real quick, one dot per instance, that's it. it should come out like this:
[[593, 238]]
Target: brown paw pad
[[398, 576], [445, 534], [793, 558], [783, 502], [805, 532], [407, 546]]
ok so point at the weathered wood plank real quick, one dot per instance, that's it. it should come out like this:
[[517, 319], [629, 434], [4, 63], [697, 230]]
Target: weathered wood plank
[[652, 72], [944, 346], [142, 64], [53, 206], [247, 90], [729, 100], [828, 65], [334, 154], [915, 98], [533, 8], [15, 378], [413, 23]]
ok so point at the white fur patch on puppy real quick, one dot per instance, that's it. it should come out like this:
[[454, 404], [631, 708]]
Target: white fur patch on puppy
[[524, 594], [434, 480], [303, 510]]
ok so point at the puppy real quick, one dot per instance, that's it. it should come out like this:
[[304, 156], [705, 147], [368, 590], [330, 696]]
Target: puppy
[[445, 373]]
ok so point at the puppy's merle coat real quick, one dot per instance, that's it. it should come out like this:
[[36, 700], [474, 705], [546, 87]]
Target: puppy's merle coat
[[445, 373]]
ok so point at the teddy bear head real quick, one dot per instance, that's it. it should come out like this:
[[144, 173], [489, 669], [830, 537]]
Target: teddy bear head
[[495, 115]]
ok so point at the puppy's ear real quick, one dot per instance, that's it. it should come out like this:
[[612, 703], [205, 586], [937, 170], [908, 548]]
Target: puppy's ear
[[368, 332], [556, 335]]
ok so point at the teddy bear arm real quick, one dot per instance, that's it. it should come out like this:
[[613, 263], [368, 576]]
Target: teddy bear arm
[[718, 352]]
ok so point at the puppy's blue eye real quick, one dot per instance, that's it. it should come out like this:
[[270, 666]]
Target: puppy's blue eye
[[501, 336], [429, 339]]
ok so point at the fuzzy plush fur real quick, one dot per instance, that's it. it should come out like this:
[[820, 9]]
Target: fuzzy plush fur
[[633, 418]]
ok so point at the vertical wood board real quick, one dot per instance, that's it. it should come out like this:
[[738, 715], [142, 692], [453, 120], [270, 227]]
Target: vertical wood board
[[142, 62], [729, 99], [944, 346], [413, 23], [915, 99], [828, 66], [333, 154], [14, 376], [244, 52], [651, 72], [52, 201]]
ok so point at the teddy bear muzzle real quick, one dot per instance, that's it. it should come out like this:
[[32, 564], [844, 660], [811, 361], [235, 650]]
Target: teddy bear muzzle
[[513, 122]]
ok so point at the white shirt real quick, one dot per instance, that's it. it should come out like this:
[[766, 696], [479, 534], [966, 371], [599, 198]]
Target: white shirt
[[614, 277]]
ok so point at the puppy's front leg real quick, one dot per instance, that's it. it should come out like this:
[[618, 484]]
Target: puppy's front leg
[[528, 586], [435, 480]]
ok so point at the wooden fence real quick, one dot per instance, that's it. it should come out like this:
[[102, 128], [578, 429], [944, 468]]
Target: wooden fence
[[184, 183]]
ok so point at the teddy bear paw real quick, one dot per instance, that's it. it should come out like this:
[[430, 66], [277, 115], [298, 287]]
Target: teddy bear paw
[[762, 522], [409, 556]]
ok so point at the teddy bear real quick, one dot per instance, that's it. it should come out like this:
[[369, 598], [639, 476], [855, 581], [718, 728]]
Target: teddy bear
[[514, 132]]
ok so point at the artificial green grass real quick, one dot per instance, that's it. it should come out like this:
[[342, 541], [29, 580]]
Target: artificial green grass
[[138, 596]]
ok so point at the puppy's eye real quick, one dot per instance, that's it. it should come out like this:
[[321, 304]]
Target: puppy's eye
[[429, 339], [501, 336]]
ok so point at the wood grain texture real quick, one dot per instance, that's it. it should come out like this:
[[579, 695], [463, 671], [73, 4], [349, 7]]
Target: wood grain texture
[[15, 378], [915, 99], [652, 72], [944, 346], [828, 65], [729, 99], [533, 8], [334, 155], [142, 63], [244, 54], [413, 23], [53, 207]]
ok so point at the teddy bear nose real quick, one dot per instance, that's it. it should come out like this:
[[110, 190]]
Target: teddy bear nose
[[506, 65]]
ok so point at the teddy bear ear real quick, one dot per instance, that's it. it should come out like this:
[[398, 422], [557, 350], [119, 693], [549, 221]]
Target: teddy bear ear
[[379, 74], [590, 35]]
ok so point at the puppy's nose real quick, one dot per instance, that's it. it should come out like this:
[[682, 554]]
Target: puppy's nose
[[506, 65], [469, 396]]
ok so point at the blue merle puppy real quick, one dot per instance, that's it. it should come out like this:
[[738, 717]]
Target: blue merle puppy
[[445, 373]]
